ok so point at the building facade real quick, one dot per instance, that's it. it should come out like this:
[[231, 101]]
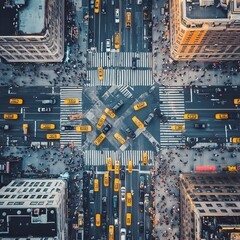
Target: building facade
[[210, 206], [34, 209], [33, 31], [205, 30]]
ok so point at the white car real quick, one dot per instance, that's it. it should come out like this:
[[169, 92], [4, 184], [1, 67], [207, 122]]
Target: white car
[[116, 15], [44, 109], [123, 191], [108, 45]]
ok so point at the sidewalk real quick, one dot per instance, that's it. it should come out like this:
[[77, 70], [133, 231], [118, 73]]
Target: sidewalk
[[184, 73], [168, 166]]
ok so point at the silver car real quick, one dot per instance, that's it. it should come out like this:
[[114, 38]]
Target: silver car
[[116, 15], [108, 45]]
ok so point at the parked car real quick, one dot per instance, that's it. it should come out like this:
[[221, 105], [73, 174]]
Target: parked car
[[141, 227], [142, 182], [123, 191]]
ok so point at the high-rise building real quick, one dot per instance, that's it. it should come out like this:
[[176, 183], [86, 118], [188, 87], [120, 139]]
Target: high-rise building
[[210, 206], [32, 31], [205, 30], [34, 209]]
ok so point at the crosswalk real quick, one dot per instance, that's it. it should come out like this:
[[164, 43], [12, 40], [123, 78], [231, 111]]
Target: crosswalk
[[125, 91], [119, 59], [97, 158], [118, 69], [173, 107], [120, 77], [70, 136]]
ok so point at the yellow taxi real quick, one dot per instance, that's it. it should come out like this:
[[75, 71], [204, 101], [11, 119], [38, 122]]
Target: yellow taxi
[[53, 136], [236, 101], [10, 116], [16, 101], [236, 140], [178, 127], [116, 166], [140, 105], [47, 126], [109, 164], [110, 113], [129, 199], [128, 19], [145, 158], [97, 6], [101, 121], [100, 73], [84, 128], [190, 116], [128, 219], [137, 122], [98, 220], [221, 116], [130, 166], [99, 139], [111, 232], [116, 185], [117, 40], [106, 179], [119, 138], [71, 101], [95, 185]]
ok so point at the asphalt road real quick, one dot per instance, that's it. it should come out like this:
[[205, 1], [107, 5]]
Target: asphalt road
[[207, 101], [96, 100], [102, 26], [117, 216], [28, 114]]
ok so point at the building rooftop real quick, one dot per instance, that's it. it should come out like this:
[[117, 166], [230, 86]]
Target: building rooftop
[[206, 9], [29, 208], [22, 17]]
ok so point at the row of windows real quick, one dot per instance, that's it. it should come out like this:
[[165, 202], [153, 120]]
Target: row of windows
[[222, 210], [217, 204], [27, 196], [31, 203]]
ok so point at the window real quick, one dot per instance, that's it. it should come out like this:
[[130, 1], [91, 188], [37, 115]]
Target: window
[[18, 203], [201, 210], [209, 205], [198, 205], [212, 210], [219, 204], [10, 203], [223, 210], [33, 203], [40, 203], [231, 205], [236, 210]]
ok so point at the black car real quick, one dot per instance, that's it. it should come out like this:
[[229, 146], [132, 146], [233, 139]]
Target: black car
[[134, 63], [200, 125], [67, 127], [122, 173], [104, 201], [117, 106], [129, 235], [234, 115], [106, 128], [131, 133], [141, 227], [104, 8]]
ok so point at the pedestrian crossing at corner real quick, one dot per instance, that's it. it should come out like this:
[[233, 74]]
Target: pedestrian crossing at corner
[[70, 136], [119, 59], [97, 158], [173, 107], [125, 91]]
